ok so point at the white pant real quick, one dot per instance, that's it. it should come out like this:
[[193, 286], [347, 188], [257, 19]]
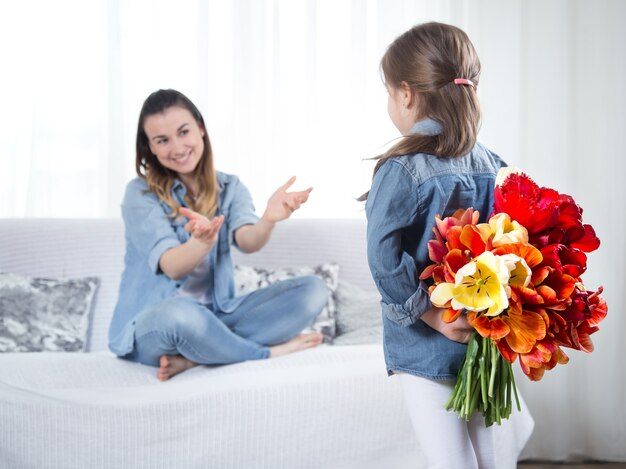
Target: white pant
[[449, 442]]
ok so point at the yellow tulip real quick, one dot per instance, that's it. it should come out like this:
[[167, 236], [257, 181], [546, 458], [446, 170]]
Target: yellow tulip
[[506, 231], [519, 272], [479, 285]]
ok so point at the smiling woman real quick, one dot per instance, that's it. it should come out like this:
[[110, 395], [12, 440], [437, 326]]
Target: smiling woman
[[177, 306]]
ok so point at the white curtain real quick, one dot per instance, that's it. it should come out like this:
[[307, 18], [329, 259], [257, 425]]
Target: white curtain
[[292, 87]]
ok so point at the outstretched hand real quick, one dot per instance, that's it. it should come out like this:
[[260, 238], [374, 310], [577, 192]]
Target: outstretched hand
[[282, 204], [200, 227]]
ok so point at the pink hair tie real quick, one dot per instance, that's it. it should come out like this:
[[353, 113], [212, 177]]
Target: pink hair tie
[[464, 81]]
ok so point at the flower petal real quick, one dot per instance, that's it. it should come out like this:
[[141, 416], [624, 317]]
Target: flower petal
[[475, 238], [454, 261], [598, 308], [529, 253], [442, 294], [589, 242], [508, 354], [451, 315], [494, 328], [526, 329]]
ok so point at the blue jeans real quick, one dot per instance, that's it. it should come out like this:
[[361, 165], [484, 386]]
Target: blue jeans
[[268, 316]]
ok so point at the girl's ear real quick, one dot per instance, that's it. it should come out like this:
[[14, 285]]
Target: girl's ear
[[410, 99], [407, 95]]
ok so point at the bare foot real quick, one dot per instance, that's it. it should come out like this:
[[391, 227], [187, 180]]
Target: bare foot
[[171, 365], [300, 342]]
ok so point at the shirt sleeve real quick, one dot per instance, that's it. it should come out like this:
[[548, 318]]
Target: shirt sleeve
[[148, 227], [239, 209], [392, 206]]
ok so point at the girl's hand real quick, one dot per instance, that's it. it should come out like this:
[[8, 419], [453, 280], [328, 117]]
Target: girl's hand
[[201, 228], [282, 204], [458, 330]]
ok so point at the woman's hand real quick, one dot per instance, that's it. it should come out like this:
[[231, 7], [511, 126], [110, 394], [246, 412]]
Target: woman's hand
[[181, 260], [282, 204], [201, 228], [458, 330]]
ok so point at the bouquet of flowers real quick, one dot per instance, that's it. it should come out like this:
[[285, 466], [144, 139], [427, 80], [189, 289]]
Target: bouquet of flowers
[[518, 280]]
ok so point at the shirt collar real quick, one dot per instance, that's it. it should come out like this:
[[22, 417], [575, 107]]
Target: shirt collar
[[426, 126], [178, 185]]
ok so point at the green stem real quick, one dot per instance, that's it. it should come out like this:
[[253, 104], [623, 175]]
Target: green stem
[[472, 352], [506, 391], [494, 364], [519, 408], [485, 383], [473, 400], [483, 375]]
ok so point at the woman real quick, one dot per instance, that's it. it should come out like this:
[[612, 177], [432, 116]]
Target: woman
[[177, 306]]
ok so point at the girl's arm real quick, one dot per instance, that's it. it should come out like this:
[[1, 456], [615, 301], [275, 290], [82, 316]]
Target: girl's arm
[[280, 206], [392, 208], [179, 261]]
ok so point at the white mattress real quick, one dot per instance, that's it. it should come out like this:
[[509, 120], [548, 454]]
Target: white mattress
[[332, 407]]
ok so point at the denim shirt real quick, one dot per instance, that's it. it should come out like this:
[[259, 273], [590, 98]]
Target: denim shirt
[[406, 194], [149, 232]]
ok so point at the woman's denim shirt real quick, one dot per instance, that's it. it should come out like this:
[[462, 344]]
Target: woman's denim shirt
[[407, 193], [150, 232]]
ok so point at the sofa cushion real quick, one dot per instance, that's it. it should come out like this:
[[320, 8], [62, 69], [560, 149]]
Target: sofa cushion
[[248, 278], [358, 316], [44, 314]]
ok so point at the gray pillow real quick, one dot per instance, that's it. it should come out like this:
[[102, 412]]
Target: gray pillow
[[44, 314], [359, 318], [249, 278]]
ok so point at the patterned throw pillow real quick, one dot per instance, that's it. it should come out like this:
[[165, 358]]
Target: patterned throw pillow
[[249, 278], [44, 314]]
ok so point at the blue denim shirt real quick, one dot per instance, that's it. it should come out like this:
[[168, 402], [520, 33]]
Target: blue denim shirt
[[406, 194], [150, 232]]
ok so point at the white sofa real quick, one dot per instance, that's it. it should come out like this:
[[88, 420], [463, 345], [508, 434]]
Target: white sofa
[[328, 407]]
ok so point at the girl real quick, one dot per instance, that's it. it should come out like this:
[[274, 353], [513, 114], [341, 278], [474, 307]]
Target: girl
[[177, 307], [431, 73]]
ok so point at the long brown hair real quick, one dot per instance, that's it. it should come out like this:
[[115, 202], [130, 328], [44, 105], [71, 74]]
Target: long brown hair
[[161, 179], [428, 57]]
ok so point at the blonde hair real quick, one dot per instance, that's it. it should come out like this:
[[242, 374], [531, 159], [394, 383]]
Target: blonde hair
[[428, 57], [161, 179]]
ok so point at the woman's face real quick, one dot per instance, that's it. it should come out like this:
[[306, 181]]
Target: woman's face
[[176, 139]]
